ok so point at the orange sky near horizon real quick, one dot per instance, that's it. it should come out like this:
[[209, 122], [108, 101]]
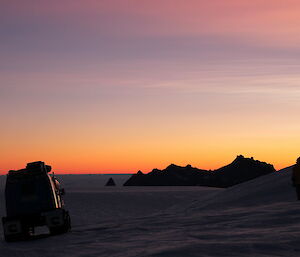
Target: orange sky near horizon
[[120, 86]]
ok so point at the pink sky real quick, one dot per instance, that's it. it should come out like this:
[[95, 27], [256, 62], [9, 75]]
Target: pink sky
[[117, 86]]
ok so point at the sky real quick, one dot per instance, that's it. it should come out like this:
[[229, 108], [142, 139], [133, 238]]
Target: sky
[[117, 86]]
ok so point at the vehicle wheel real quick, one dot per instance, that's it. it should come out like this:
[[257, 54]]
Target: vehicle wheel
[[14, 230], [62, 229], [24, 235]]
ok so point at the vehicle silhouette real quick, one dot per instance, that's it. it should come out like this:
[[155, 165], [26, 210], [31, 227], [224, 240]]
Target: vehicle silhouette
[[33, 198]]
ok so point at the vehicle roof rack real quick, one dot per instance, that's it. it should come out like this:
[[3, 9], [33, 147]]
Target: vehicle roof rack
[[31, 168]]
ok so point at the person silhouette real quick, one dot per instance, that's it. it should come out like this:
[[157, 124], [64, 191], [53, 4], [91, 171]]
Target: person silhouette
[[296, 177]]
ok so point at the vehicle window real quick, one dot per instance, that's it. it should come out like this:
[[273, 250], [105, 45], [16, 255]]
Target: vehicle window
[[28, 189]]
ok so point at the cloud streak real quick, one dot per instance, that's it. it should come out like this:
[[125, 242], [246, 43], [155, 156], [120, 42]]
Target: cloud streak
[[166, 80]]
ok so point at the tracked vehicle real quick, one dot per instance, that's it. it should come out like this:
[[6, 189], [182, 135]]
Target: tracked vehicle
[[33, 198]]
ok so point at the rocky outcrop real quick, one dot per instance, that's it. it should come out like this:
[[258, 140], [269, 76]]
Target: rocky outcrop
[[240, 170], [110, 182]]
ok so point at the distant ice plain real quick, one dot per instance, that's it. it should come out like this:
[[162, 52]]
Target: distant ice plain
[[257, 218]]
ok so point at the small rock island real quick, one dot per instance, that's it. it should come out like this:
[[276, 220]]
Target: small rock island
[[110, 182]]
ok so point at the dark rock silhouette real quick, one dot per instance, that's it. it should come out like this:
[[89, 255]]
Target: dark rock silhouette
[[240, 170], [110, 182]]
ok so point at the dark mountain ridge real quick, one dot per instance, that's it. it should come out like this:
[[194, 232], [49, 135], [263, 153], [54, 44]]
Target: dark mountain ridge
[[240, 170]]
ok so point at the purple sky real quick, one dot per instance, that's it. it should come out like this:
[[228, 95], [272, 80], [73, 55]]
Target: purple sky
[[120, 75]]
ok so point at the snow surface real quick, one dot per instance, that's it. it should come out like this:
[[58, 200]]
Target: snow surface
[[257, 218]]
